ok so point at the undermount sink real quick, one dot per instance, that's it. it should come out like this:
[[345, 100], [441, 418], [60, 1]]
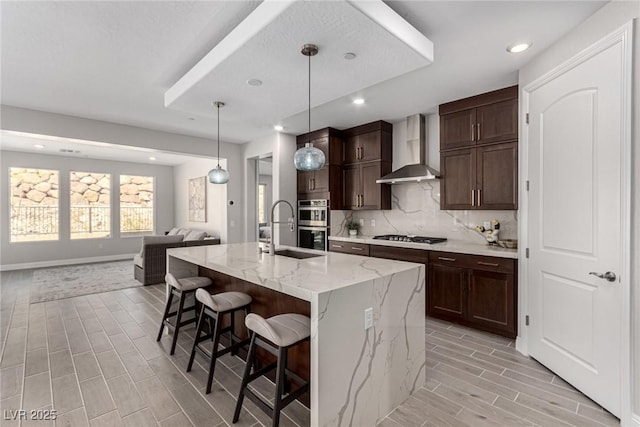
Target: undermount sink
[[295, 254]]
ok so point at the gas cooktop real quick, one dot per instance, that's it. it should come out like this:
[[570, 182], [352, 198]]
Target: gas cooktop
[[412, 239]]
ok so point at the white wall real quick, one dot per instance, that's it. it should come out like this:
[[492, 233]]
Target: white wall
[[216, 221], [40, 122], [281, 147], [267, 180], [33, 254], [609, 18]]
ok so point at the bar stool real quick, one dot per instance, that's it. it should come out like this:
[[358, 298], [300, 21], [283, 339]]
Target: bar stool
[[276, 335], [214, 307], [181, 288]]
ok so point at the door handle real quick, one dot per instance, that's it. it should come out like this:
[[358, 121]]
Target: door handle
[[473, 132], [609, 276]]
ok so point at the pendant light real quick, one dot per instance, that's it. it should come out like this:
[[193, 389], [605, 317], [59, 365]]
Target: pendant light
[[309, 158], [218, 175]]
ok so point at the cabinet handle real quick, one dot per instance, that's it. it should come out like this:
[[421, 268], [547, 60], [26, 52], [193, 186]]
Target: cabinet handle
[[441, 258], [361, 152], [314, 183], [473, 132], [479, 197], [473, 197], [361, 200], [356, 249], [309, 184], [478, 138], [488, 264], [336, 246]]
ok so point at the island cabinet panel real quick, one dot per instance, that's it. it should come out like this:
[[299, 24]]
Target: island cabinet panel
[[265, 302], [476, 291], [478, 149], [325, 183], [349, 248]]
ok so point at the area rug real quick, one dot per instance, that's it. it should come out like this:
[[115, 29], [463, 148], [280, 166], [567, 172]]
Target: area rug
[[66, 282]]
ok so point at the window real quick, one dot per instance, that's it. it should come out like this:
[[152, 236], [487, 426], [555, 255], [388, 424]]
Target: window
[[90, 203], [136, 205], [34, 204], [261, 208]]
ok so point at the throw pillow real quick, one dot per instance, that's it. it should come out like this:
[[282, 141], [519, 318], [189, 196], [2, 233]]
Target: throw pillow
[[173, 232], [195, 235]]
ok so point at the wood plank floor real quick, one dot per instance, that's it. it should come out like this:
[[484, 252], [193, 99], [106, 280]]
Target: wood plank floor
[[94, 359]]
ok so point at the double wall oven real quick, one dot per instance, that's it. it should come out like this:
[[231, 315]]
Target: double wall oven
[[313, 224]]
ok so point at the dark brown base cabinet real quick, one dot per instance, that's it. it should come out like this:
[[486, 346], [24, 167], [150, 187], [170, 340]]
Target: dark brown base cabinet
[[472, 290], [476, 291]]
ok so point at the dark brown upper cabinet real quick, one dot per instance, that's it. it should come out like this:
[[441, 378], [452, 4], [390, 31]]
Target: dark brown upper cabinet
[[367, 157], [479, 152], [482, 119], [325, 183]]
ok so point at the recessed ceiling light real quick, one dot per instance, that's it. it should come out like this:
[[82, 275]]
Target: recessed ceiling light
[[519, 47], [152, 158], [358, 101], [278, 128], [349, 56], [254, 82], [39, 146]]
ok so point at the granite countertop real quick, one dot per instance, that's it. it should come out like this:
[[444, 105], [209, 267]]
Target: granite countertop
[[455, 246], [301, 278]]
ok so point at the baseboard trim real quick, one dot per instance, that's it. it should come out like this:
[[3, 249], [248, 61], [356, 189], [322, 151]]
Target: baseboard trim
[[62, 262]]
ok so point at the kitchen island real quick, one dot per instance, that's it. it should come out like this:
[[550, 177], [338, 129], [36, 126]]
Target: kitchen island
[[357, 375]]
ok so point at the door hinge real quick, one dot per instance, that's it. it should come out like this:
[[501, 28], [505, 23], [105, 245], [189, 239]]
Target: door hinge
[[526, 117], [526, 320], [526, 252], [527, 185]]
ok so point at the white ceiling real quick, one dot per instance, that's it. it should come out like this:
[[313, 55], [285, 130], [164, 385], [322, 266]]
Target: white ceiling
[[114, 61], [55, 146]]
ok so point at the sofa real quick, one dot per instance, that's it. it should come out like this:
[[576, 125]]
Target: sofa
[[150, 265]]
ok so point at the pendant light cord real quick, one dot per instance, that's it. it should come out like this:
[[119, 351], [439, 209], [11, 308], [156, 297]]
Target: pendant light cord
[[309, 134], [218, 106]]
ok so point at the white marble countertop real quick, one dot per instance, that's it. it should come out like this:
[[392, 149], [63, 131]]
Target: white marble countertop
[[301, 278], [455, 246]]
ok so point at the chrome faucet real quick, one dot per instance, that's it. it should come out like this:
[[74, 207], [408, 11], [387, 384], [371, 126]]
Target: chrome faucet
[[292, 226]]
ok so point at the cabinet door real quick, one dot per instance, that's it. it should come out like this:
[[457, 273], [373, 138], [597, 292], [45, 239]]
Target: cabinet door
[[458, 182], [370, 145], [497, 176], [446, 292], [371, 194], [491, 302], [351, 184], [351, 150], [320, 180], [305, 181], [458, 129], [497, 122]]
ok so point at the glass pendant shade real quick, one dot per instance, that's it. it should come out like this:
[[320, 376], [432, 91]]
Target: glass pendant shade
[[309, 158], [218, 176]]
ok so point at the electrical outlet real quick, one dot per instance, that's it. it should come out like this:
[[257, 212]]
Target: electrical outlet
[[373, 222], [361, 222], [368, 318]]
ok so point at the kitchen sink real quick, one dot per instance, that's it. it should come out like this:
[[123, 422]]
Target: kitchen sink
[[296, 254]]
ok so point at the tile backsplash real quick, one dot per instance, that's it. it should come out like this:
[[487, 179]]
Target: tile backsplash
[[415, 209]]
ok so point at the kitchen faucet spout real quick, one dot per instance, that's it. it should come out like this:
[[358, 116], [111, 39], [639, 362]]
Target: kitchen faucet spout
[[290, 221]]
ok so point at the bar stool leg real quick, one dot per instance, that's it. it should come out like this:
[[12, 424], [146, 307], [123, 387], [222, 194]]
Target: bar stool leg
[[197, 338], [167, 309], [232, 333], [216, 342], [245, 376], [183, 296], [280, 380]]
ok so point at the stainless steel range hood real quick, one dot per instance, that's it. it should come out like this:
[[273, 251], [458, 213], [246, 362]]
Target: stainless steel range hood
[[416, 143]]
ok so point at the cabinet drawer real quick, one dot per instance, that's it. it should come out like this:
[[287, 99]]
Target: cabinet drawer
[[476, 262], [399, 254], [349, 248]]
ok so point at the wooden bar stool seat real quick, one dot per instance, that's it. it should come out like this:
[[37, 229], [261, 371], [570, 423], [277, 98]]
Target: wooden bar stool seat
[[180, 288], [276, 335], [214, 307]]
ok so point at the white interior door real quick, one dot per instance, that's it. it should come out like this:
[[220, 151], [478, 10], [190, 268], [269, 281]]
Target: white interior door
[[575, 221]]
